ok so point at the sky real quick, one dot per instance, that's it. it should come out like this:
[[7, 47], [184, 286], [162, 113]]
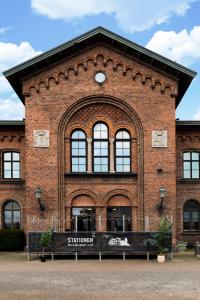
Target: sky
[[168, 27]]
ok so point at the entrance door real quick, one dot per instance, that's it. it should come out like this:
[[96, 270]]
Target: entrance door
[[83, 218], [119, 218]]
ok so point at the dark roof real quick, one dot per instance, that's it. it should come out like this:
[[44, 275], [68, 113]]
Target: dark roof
[[187, 123], [97, 35], [12, 123]]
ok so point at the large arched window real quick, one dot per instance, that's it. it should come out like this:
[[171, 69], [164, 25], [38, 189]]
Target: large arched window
[[78, 151], [11, 164], [100, 148], [11, 215], [122, 151], [191, 216], [191, 165]]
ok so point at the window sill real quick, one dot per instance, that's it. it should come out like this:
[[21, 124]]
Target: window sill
[[12, 181], [190, 233], [183, 180], [101, 174]]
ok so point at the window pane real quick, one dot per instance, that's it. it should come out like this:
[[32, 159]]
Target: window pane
[[82, 161], [195, 156], [81, 145], [127, 161], [7, 166], [100, 131], [119, 152], [104, 161], [15, 156], [126, 145], [74, 161], [7, 156], [119, 168], [104, 168], [195, 173], [195, 165], [16, 215], [97, 161], [16, 166], [97, 168], [195, 216], [75, 145], [119, 161], [82, 152], [74, 168], [78, 134], [122, 135], [75, 152], [104, 152], [126, 152], [16, 174], [7, 174], [186, 156], [186, 165], [186, 216], [126, 168], [82, 168], [186, 174]]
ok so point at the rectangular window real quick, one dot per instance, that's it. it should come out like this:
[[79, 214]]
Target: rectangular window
[[11, 165], [191, 165]]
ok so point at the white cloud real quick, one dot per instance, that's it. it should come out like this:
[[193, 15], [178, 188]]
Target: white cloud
[[11, 109], [197, 115], [183, 47], [131, 15], [4, 29], [11, 55]]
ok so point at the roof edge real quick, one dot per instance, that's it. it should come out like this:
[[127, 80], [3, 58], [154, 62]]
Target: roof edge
[[109, 34], [12, 123]]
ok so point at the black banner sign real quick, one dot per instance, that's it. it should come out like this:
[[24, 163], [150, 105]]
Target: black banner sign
[[67, 242]]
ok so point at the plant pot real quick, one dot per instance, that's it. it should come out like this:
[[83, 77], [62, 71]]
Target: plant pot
[[181, 245], [161, 258], [42, 258]]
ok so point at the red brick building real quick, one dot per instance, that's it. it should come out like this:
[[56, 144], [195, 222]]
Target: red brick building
[[100, 148]]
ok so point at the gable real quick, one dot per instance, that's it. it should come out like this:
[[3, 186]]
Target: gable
[[100, 36]]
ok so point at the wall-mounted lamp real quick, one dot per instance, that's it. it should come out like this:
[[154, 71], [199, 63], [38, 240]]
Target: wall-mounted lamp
[[162, 192], [38, 195]]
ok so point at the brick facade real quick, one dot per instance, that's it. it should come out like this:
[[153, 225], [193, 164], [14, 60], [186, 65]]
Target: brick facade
[[136, 97]]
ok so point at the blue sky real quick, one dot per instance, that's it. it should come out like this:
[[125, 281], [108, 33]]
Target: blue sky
[[169, 27]]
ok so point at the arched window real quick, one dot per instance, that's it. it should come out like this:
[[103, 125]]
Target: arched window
[[122, 151], [100, 148], [12, 215], [11, 164], [191, 216], [78, 151], [191, 165]]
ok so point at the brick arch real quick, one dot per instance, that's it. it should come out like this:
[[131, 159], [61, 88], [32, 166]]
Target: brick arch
[[76, 127], [98, 119], [77, 195], [78, 105], [128, 128], [127, 199], [12, 198], [189, 199]]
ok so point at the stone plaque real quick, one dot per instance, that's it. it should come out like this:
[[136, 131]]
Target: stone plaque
[[159, 138], [41, 138]]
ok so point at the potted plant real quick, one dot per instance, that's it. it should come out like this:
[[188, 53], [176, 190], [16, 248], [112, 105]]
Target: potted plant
[[45, 240], [161, 237]]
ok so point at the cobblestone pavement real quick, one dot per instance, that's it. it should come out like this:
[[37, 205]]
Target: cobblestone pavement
[[90, 279]]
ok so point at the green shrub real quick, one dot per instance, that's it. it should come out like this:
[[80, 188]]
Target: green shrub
[[12, 240]]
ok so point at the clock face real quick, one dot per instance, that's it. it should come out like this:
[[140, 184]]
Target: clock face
[[100, 77]]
